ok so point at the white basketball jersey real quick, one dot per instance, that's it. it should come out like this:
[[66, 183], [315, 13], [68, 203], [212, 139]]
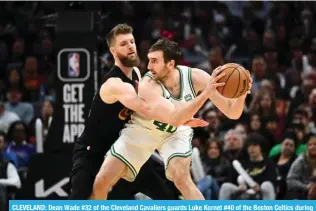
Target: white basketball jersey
[[187, 94]]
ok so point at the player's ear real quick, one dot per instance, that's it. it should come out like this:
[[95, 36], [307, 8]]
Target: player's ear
[[112, 50], [171, 64]]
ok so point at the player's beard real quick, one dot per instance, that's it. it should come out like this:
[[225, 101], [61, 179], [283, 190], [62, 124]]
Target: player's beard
[[163, 74], [129, 61]]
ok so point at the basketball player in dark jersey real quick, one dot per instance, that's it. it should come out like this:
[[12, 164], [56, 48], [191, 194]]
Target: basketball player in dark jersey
[[106, 120]]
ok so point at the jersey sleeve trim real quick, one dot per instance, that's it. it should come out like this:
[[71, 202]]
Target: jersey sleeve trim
[[191, 82]]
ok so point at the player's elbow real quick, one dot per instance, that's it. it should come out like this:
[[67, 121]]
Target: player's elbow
[[106, 89], [173, 121], [175, 124], [102, 93]]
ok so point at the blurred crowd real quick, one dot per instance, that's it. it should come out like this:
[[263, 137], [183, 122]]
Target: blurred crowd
[[274, 140]]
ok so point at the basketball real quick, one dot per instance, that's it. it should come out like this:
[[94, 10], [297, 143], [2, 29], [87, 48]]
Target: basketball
[[236, 81]]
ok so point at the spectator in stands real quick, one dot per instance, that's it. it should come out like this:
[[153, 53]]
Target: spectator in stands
[[33, 80], [312, 104], [302, 173], [241, 128], [210, 115], [9, 156], [264, 103], [284, 161], [18, 144], [9, 178], [14, 78], [268, 39], [18, 48], [233, 146], [297, 54], [300, 94], [259, 168], [257, 126], [215, 58], [47, 111], [22, 109], [6, 118], [302, 116], [217, 169], [258, 69], [300, 146]]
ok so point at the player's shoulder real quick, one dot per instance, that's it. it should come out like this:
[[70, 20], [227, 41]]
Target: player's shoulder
[[148, 83], [191, 70], [199, 78], [113, 80], [111, 85], [196, 73], [137, 71], [149, 79], [184, 68]]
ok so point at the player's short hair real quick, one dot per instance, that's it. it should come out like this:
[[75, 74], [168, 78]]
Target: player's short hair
[[118, 30], [170, 49]]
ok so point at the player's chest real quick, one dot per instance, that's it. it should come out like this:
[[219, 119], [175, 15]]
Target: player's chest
[[174, 91]]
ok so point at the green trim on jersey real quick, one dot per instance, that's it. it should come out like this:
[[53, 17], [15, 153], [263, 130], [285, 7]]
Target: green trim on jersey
[[183, 155], [149, 75], [128, 164], [181, 86], [191, 82]]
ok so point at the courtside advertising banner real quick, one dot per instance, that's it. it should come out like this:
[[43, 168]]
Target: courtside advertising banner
[[75, 88]]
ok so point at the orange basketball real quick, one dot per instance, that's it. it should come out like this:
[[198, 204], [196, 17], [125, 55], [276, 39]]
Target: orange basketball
[[236, 80]]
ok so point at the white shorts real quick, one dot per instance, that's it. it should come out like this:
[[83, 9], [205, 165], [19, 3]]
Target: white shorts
[[135, 146]]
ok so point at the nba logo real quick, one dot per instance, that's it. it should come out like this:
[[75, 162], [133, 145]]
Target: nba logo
[[73, 65]]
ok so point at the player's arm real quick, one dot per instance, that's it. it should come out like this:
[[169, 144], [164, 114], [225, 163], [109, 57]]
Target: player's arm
[[163, 110], [114, 89], [232, 108]]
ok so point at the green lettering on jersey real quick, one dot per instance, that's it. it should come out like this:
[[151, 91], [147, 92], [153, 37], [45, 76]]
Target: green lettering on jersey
[[164, 127]]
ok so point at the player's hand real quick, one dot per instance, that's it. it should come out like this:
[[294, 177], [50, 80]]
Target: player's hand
[[194, 122], [250, 83], [256, 188], [242, 188], [213, 84], [249, 86]]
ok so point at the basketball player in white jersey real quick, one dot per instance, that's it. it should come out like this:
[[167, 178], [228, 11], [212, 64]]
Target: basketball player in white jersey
[[142, 135]]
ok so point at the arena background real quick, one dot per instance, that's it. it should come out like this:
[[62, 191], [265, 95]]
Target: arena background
[[275, 41]]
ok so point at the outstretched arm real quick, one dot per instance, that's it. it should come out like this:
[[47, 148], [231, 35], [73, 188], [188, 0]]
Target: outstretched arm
[[114, 89], [150, 103], [163, 110], [232, 108]]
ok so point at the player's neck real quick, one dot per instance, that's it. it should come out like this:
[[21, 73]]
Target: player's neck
[[171, 78], [128, 71]]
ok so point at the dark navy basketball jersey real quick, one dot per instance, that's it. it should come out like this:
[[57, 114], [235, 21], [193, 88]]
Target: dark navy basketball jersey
[[105, 121]]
